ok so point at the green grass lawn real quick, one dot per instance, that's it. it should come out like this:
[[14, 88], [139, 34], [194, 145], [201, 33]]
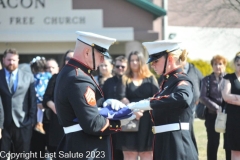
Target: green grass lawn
[[201, 137]]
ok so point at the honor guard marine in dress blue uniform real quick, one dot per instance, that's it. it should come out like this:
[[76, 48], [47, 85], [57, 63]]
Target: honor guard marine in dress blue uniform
[[78, 96], [170, 107]]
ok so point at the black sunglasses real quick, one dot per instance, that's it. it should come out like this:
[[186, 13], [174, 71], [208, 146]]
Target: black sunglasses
[[119, 66]]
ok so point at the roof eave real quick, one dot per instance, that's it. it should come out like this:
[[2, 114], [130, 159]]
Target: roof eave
[[150, 7]]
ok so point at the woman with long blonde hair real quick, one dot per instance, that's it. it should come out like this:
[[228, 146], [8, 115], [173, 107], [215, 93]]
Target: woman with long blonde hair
[[139, 83]]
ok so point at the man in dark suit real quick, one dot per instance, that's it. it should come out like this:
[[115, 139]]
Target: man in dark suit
[[195, 76], [111, 87], [19, 104], [1, 119]]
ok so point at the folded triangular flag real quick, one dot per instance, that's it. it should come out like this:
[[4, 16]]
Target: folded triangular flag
[[112, 114]]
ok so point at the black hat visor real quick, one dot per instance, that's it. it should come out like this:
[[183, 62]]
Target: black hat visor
[[156, 56], [99, 48], [102, 50]]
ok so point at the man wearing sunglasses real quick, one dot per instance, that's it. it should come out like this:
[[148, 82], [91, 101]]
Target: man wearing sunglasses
[[111, 87]]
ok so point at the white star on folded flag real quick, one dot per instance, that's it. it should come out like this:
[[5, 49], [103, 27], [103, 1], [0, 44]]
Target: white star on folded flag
[[110, 116]]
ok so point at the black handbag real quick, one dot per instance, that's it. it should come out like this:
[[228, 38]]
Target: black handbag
[[201, 108], [200, 111]]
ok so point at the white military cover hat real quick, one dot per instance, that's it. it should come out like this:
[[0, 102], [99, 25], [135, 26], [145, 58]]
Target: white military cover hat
[[99, 42], [157, 49]]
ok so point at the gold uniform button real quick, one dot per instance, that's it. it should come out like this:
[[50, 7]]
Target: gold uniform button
[[110, 125], [116, 126], [100, 137]]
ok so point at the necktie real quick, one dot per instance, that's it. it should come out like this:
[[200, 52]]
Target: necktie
[[11, 84]]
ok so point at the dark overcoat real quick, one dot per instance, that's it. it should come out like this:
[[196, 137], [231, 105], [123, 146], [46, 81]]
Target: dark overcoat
[[171, 105], [77, 95]]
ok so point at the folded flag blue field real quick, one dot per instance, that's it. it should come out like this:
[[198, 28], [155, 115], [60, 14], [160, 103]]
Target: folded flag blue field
[[112, 114]]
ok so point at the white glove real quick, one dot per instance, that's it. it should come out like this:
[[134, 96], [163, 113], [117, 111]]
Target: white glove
[[115, 104], [133, 110], [141, 105], [127, 120], [131, 104]]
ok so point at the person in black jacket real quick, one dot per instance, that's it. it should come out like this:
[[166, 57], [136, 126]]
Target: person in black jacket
[[55, 131], [195, 76], [1, 115], [1, 119], [78, 96], [170, 107], [211, 97], [104, 71], [111, 87]]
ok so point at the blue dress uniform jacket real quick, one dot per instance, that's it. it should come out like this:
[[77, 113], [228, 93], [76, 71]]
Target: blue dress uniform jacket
[[78, 96], [171, 105]]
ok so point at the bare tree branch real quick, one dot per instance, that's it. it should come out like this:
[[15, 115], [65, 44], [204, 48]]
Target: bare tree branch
[[205, 13]]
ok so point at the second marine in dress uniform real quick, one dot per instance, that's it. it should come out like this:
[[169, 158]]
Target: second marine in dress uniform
[[170, 107], [78, 97]]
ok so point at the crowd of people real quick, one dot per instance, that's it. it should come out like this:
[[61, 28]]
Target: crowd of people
[[40, 102]]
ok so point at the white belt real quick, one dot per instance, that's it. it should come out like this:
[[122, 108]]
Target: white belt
[[170, 127], [73, 128]]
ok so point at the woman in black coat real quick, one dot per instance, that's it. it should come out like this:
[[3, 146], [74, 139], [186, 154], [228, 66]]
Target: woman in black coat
[[55, 131]]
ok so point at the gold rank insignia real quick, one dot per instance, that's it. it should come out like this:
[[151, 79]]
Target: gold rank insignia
[[167, 76], [89, 71], [90, 97]]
